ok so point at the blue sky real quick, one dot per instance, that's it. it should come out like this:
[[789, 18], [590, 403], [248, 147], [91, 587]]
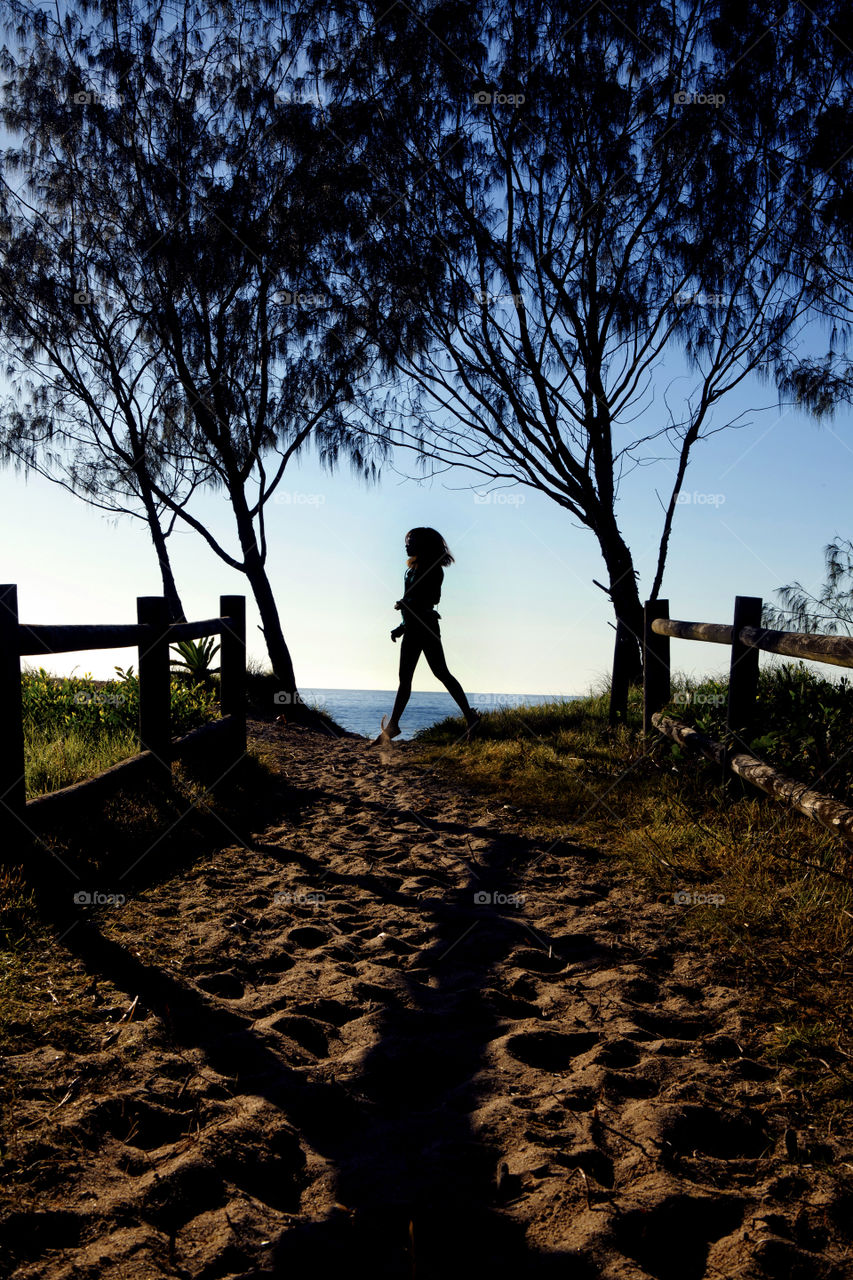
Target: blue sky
[[520, 613]]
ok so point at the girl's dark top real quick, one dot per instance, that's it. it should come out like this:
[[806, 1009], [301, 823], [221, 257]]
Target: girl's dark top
[[422, 594]]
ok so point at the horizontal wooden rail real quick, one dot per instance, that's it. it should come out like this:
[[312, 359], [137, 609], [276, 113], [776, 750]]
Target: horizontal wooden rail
[[836, 817], [711, 632], [837, 650], [37, 638], [195, 630]]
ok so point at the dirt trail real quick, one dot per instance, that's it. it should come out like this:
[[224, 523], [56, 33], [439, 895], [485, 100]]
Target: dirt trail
[[343, 1057]]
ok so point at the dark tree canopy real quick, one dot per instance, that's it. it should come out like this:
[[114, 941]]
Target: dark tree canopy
[[174, 209], [610, 198]]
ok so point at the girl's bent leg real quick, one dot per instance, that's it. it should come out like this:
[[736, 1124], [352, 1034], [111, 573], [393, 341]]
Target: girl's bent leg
[[438, 666]]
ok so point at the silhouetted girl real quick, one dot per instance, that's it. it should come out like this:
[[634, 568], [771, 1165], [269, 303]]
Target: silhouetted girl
[[428, 555]]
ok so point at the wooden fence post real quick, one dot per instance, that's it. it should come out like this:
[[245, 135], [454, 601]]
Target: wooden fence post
[[155, 687], [619, 681], [656, 663], [232, 669], [743, 673], [13, 796]]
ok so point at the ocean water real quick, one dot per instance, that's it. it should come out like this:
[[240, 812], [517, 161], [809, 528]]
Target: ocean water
[[361, 710]]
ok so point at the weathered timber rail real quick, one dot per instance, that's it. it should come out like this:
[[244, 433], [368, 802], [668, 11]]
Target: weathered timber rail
[[746, 639], [151, 635]]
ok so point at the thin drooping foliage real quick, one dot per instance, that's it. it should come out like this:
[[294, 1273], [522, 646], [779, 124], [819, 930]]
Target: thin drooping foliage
[[626, 232], [173, 209], [830, 609]]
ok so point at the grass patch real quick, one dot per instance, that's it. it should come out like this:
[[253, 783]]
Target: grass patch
[[782, 887], [75, 726]]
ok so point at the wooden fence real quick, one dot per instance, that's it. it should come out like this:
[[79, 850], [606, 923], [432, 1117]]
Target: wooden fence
[[746, 639], [151, 634]]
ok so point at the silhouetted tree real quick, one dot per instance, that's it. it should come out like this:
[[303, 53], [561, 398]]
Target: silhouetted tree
[[173, 212], [607, 213]]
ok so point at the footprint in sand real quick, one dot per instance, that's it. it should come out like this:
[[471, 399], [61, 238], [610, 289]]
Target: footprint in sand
[[507, 1006], [307, 936], [537, 961], [269, 970], [310, 1033], [332, 1011], [226, 985], [623, 1084], [641, 990], [714, 1131], [261, 1155], [582, 1098], [673, 1026], [670, 1240], [177, 1191], [138, 1123], [618, 1053], [550, 1050]]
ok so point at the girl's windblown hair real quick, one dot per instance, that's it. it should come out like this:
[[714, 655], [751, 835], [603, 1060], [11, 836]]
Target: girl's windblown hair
[[427, 548]]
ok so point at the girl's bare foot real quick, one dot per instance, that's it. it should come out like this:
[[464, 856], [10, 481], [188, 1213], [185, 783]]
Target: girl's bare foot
[[388, 731]]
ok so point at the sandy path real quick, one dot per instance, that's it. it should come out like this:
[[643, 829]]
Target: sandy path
[[340, 1059]]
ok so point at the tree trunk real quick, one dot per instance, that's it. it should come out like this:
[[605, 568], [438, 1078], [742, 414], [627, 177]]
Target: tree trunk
[[625, 595], [279, 654], [287, 694], [170, 588]]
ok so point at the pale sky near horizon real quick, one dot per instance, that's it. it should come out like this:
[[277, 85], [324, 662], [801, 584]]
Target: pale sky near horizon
[[520, 613]]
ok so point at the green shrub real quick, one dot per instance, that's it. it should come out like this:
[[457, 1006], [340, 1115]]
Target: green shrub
[[75, 726], [803, 723]]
